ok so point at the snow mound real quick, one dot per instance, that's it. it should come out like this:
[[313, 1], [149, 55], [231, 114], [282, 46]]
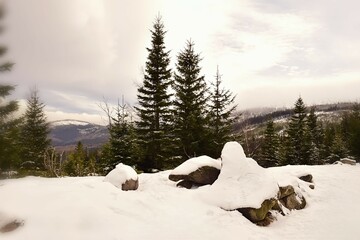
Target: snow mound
[[119, 175], [242, 182], [193, 164]]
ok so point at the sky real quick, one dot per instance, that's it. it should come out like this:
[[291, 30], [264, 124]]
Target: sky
[[79, 52]]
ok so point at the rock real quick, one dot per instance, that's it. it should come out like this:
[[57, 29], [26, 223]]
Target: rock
[[259, 214], [293, 201], [348, 161], [201, 176], [199, 171], [285, 191], [124, 177], [312, 186], [130, 184], [267, 220], [185, 184], [11, 226], [307, 178]]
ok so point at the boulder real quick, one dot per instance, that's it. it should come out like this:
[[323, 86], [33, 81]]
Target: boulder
[[348, 161], [124, 177], [130, 184], [307, 178], [196, 172], [258, 214], [185, 184], [293, 201], [285, 191]]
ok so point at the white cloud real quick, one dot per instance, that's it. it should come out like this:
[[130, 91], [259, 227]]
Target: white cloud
[[77, 51]]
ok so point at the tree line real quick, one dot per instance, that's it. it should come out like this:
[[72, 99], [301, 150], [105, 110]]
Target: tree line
[[306, 140]]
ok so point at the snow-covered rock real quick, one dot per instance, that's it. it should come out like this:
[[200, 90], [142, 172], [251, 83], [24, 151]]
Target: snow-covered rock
[[124, 177], [196, 171], [242, 183]]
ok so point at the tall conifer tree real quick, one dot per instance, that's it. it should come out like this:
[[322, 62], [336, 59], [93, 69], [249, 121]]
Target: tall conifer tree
[[190, 104], [9, 134], [154, 109], [298, 139], [270, 148], [34, 132], [220, 119]]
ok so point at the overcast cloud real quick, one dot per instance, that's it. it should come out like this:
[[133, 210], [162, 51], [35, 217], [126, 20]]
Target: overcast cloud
[[269, 52]]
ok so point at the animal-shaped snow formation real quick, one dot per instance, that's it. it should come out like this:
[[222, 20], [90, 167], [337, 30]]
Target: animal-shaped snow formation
[[242, 182]]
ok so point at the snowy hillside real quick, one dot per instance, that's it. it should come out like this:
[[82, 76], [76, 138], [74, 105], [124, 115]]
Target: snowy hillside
[[69, 132], [89, 208]]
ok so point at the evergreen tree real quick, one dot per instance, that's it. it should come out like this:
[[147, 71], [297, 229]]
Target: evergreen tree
[[76, 163], [190, 104], [9, 134], [350, 128], [316, 138], [34, 132], [298, 139], [220, 119], [154, 110], [270, 147], [121, 138]]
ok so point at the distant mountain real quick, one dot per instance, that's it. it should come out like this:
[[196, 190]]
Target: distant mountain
[[66, 133]]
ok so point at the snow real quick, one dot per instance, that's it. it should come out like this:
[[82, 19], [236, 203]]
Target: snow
[[88, 208], [120, 174], [193, 164], [69, 122], [242, 182]]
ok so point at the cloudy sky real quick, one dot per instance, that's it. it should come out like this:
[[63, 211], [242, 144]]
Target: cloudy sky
[[269, 52]]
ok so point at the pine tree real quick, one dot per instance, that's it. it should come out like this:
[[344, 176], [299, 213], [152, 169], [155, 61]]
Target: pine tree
[[316, 138], [270, 147], [9, 134], [220, 119], [76, 163], [154, 110], [34, 132], [298, 139], [121, 138], [190, 104], [350, 129]]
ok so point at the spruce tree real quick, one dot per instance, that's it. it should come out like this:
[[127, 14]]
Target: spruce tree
[[190, 104], [121, 138], [9, 134], [77, 161], [154, 109], [34, 132], [220, 119], [298, 139], [316, 138], [270, 147]]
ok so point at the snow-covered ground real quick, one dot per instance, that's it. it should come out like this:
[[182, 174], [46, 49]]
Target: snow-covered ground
[[89, 208]]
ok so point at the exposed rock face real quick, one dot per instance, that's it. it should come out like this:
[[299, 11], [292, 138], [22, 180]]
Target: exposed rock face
[[258, 215], [293, 201], [196, 172], [124, 177], [285, 191], [130, 184], [201, 176]]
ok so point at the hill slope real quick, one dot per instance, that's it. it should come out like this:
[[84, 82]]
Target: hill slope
[[67, 133]]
